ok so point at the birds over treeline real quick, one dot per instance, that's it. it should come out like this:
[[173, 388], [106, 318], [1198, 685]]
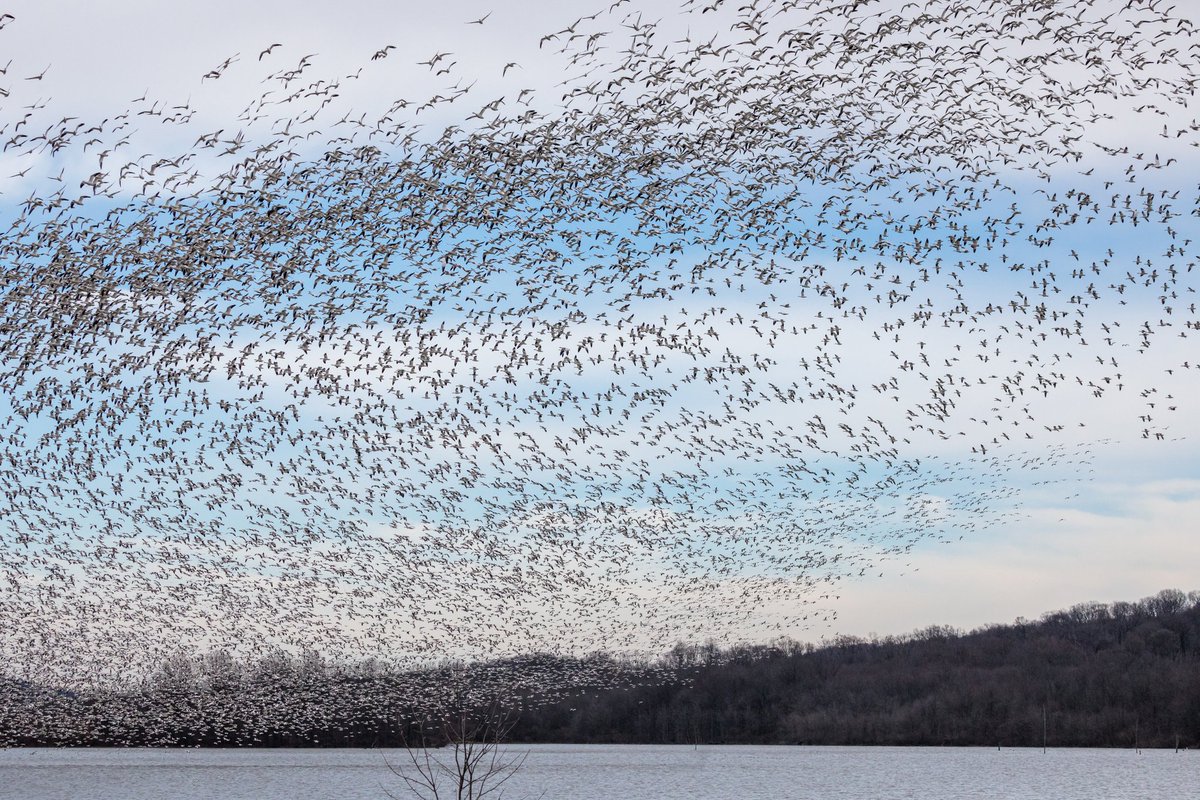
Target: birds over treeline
[[936, 685], [756, 301], [301, 700]]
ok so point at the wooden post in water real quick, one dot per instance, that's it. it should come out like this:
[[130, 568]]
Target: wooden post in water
[[1043, 727]]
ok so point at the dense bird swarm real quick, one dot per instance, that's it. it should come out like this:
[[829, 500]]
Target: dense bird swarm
[[756, 299]]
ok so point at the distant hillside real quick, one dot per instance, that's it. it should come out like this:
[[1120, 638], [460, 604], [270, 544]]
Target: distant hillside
[[1106, 675], [1100, 675]]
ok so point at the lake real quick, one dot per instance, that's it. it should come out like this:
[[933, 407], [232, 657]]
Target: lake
[[605, 772]]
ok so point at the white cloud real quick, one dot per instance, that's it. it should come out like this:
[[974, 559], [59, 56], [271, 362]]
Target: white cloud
[[1054, 558]]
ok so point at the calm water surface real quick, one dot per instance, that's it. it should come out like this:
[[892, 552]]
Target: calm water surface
[[612, 772]]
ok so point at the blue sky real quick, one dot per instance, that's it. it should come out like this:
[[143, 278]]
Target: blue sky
[[1024, 502]]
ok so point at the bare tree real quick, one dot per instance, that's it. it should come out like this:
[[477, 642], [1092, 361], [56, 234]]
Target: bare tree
[[469, 763]]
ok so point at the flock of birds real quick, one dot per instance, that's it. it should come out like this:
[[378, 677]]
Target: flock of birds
[[760, 298]]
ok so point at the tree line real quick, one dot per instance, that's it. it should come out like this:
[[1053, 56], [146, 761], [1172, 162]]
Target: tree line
[[1122, 674]]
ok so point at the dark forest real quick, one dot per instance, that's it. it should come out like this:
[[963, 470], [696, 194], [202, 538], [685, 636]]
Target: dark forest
[[1103, 675], [1124, 674]]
